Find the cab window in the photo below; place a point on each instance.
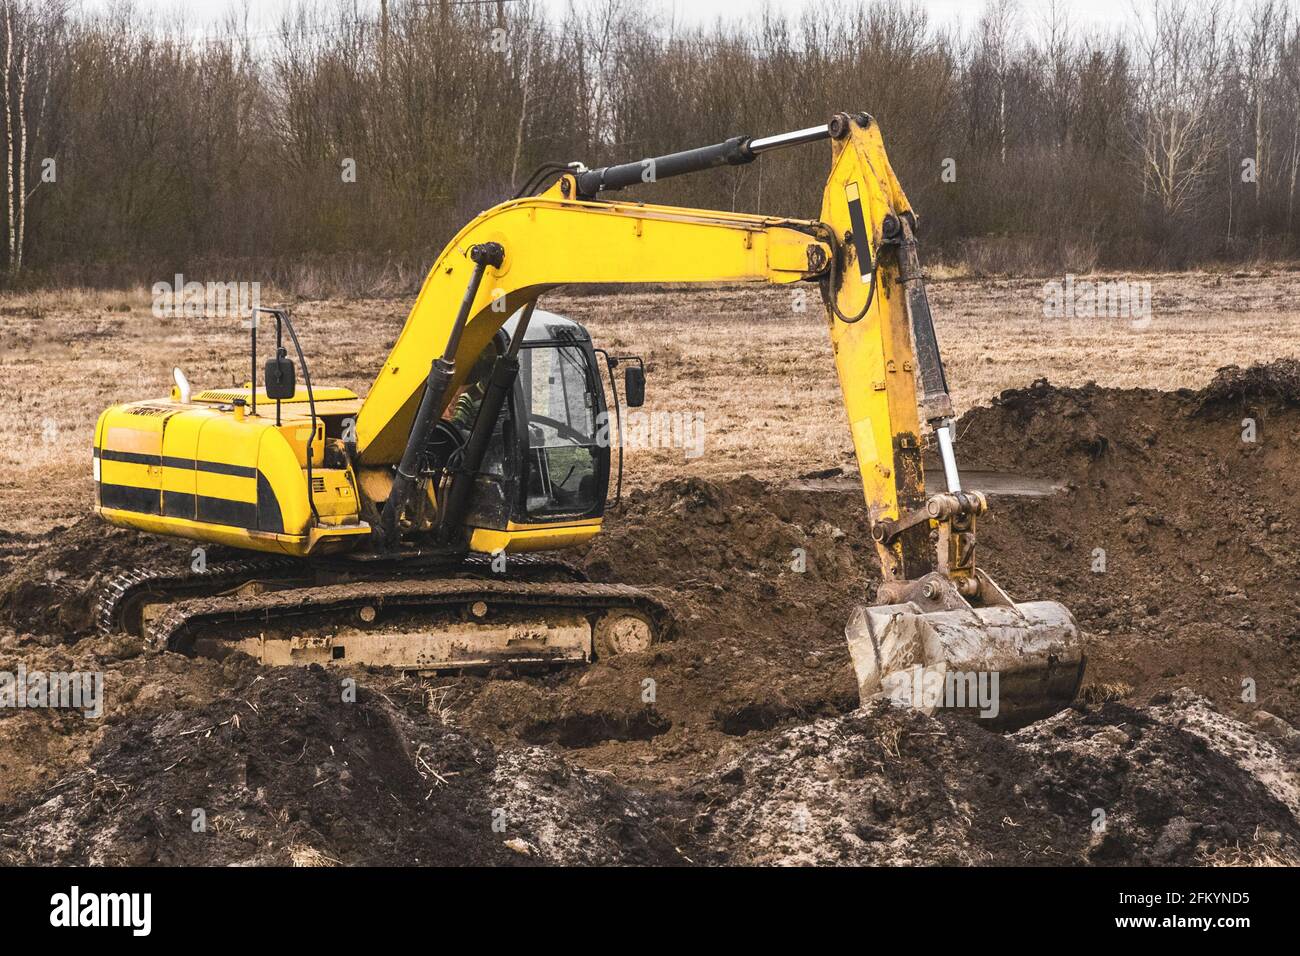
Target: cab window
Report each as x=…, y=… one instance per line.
x=561, y=421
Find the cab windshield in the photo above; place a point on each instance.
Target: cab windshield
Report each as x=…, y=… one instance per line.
x=560, y=410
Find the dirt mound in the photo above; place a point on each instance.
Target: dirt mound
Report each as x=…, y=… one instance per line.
x=1061, y=432
x=53, y=588
x=1173, y=784
x=285, y=771
x=693, y=532
x=1274, y=385
x=38, y=746
x=1173, y=546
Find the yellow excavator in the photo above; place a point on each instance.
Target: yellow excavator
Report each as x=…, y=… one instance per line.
x=418, y=528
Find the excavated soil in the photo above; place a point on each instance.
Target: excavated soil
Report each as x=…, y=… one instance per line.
x=740, y=739
x=1174, y=783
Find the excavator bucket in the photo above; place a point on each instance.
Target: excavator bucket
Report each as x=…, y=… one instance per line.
x=1007, y=663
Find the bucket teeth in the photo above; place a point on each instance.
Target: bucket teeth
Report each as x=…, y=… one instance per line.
x=1009, y=664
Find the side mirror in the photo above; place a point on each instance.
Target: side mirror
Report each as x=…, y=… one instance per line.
x=634, y=386
x=279, y=378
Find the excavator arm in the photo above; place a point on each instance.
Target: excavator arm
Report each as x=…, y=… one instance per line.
x=551, y=240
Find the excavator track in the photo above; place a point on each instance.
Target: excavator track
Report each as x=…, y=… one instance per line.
x=423, y=625
x=118, y=606
x=120, y=600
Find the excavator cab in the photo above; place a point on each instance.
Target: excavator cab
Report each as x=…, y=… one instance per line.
x=546, y=470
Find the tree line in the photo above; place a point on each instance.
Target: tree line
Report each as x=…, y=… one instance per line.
x=338, y=151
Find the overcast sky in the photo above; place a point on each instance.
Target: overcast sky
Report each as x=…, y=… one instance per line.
x=263, y=14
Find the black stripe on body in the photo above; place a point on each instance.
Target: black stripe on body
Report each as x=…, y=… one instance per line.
x=269, y=516
x=185, y=464
x=178, y=504
x=146, y=501
x=238, y=514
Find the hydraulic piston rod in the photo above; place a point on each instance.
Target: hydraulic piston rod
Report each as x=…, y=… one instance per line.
x=781, y=140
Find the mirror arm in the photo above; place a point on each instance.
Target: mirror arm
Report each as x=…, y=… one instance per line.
x=279, y=353
x=252, y=384
x=282, y=315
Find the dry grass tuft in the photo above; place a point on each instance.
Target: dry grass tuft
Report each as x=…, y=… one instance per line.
x=1263, y=850
x=1096, y=694
x=307, y=856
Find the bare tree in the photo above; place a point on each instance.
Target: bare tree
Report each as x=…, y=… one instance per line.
x=998, y=34
x=1180, y=51
x=1261, y=42
x=32, y=37
x=1289, y=85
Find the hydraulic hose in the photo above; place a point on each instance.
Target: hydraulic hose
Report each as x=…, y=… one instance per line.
x=441, y=372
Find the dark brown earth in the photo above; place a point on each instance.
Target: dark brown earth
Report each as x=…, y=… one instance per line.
x=1174, y=783
x=740, y=740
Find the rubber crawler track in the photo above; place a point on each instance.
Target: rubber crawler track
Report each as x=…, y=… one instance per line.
x=176, y=628
x=119, y=590
x=122, y=587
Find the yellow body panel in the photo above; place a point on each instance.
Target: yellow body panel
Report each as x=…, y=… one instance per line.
x=208, y=472
x=336, y=495
x=318, y=541
x=181, y=484
x=522, y=538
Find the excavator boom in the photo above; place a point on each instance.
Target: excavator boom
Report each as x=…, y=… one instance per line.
x=553, y=240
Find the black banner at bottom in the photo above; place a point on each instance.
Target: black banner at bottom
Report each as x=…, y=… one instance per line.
x=334, y=905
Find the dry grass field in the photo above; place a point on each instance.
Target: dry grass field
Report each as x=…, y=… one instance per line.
x=757, y=371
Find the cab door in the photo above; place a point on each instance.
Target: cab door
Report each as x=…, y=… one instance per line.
x=565, y=460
